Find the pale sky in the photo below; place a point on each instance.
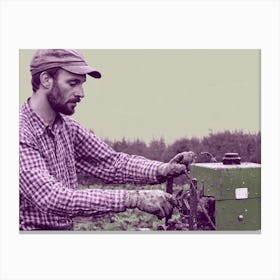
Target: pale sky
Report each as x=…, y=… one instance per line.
x=172, y=94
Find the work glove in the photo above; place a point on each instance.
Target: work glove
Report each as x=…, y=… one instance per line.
x=154, y=202
x=178, y=165
x=186, y=158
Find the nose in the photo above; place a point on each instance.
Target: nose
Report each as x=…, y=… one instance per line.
x=80, y=92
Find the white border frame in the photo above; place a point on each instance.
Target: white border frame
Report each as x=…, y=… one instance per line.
x=140, y=24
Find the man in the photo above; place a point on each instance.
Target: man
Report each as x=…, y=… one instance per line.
x=54, y=148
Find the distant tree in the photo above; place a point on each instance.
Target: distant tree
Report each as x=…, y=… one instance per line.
x=156, y=149
x=120, y=146
x=254, y=149
x=181, y=145
x=137, y=147
x=247, y=145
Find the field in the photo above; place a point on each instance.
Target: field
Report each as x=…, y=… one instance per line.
x=136, y=220
x=130, y=220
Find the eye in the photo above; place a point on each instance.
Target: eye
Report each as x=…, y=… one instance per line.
x=73, y=83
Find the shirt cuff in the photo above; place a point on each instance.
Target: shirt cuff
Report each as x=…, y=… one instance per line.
x=108, y=200
x=153, y=171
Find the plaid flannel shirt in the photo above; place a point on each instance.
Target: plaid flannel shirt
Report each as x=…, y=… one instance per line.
x=51, y=157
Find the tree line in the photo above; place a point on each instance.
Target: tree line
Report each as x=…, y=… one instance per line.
x=247, y=145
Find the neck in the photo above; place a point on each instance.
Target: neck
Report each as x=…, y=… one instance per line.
x=40, y=105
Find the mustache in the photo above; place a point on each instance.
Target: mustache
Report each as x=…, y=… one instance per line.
x=74, y=100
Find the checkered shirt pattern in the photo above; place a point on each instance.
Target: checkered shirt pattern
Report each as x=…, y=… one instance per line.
x=51, y=157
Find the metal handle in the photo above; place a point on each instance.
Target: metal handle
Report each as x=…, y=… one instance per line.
x=169, y=189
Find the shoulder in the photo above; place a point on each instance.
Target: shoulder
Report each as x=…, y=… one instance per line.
x=82, y=135
x=71, y=124
x=69, y=121
x=26, y=129
x=75, y=129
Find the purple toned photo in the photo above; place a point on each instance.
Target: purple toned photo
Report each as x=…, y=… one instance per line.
x=54, y=149
x=74, y=179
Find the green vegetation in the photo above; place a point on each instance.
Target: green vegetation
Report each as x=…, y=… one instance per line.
x=130, y=220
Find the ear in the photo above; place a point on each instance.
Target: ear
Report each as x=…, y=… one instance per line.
x=46, y=80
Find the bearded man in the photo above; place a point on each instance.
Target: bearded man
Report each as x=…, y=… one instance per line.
x=54, y=148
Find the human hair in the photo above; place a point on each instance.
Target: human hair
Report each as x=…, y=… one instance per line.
x=35, y=81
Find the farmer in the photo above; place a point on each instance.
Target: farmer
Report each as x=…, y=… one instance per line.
x=54, y=149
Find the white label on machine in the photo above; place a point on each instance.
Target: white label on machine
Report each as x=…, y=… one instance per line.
x=241, y=193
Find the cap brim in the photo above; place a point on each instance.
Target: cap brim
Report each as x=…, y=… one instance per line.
x=82, y=70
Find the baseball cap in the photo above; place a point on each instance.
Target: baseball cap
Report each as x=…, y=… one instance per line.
x=69, y=60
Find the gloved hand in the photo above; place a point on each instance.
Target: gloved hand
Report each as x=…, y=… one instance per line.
x=154, y=202
x=178, y=165
x=186, y=158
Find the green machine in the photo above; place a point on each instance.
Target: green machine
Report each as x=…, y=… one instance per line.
x=236, y=189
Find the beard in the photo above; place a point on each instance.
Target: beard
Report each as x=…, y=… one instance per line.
x=55, y=98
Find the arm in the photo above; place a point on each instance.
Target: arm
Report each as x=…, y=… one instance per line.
x=95, y=158
x=43, y=191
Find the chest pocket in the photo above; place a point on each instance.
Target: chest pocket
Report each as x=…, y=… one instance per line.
x=49, y=156
x=66, y=159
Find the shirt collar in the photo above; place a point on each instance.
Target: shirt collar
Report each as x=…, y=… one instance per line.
x=41, y=126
